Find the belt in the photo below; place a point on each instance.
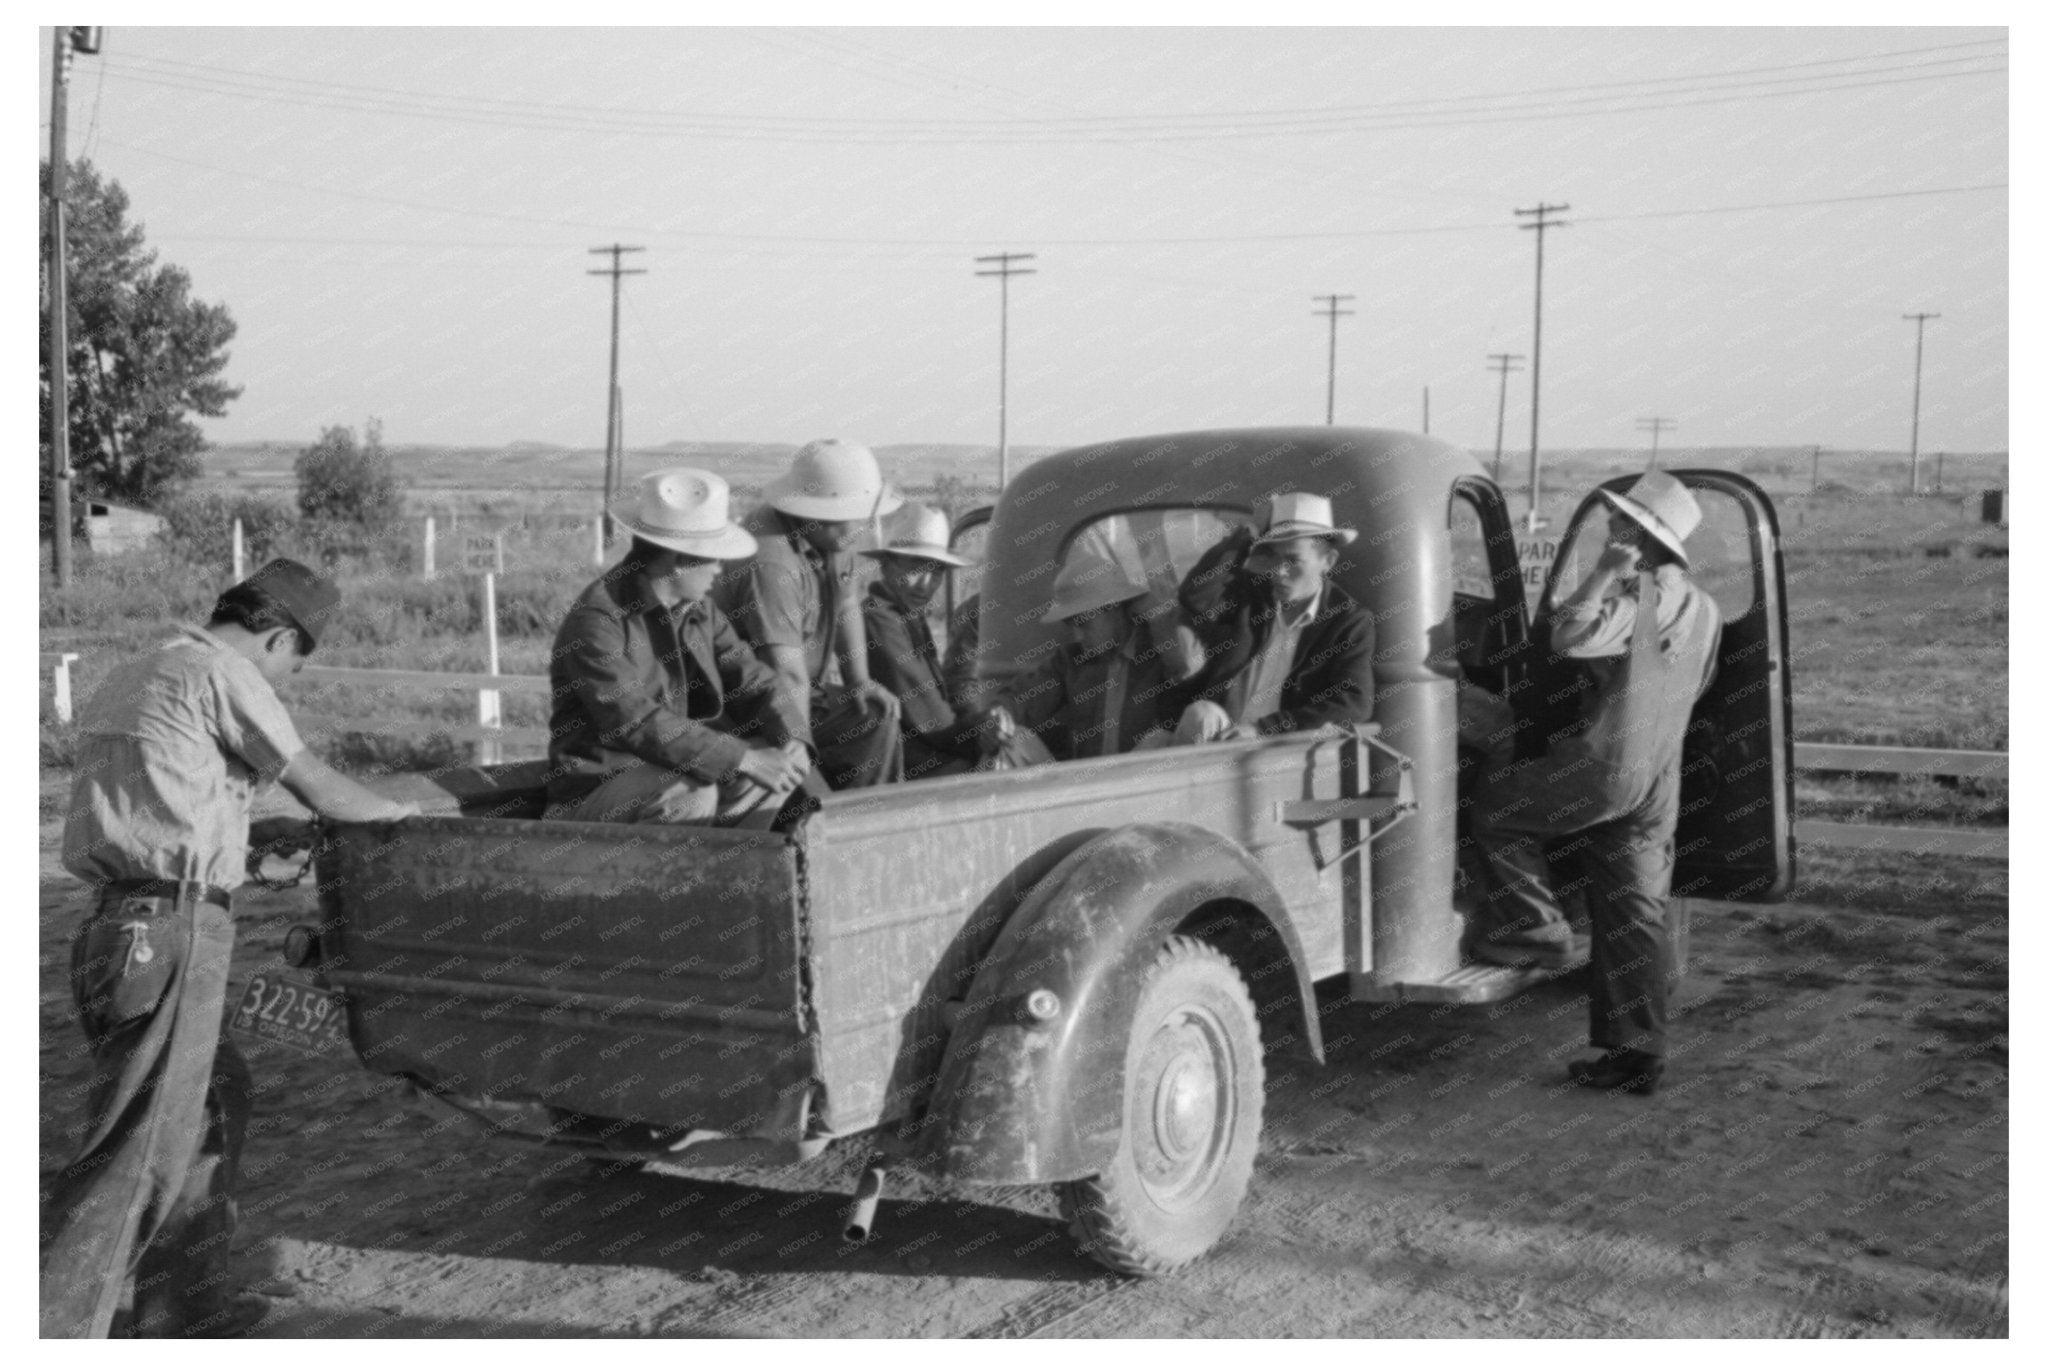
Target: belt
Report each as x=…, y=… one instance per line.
x=147, y=888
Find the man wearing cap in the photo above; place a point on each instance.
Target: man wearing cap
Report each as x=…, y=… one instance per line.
x=661, y=712
x=1106, y=688
x=794, y=604
x=1646, y=637
x=1287, y=649
x=903, y=657
x=172, y=748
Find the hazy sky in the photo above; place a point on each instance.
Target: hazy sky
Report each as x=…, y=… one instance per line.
x=399, y=220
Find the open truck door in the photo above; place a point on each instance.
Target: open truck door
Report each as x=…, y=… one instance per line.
x=1735, y=813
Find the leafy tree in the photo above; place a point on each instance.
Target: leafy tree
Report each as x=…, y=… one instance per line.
x=341, y=483
x=145, y=356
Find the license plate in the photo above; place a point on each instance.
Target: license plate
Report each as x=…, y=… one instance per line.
x=291, y=1012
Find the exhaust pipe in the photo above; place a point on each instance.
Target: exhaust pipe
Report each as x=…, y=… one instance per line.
x=860, y=1215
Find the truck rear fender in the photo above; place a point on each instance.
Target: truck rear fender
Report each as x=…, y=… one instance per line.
x=1031, y=1087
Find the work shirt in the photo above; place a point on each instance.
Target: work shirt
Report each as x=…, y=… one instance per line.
x=1255, y=693
x=903, y=657
x=1601, y=630
x=1086, y=708
x=789, y=593
x=172, y=749
x=634, y=680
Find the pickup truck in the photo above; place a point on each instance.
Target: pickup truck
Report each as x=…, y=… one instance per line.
x=1065, y=975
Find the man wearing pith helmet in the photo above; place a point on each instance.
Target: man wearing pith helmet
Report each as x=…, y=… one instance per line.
x=661, y=712
x=794, y=603
x=1648, y=638
x=172, y=749
x=914, y=559
x=1287, y=649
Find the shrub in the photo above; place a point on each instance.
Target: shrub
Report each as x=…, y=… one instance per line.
x=199, y=527
x=343, y=484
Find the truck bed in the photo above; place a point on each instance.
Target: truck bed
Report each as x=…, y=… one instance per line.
x=775, y=985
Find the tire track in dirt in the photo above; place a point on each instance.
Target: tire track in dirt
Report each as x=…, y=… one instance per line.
x=1076, y=1307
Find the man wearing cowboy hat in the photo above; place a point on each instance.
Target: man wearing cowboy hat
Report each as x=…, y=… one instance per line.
x=1287, y=649
x=1647, y=638
x=661, y=712
x=903, y=657
x=172, y=749
x=794, y=604
x=1106, y=688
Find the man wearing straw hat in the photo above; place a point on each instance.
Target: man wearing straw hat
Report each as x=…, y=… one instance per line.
x=661, y=712
x=1287, y=649
x=1649, y=638
x=903, y=657
x=795, y=604
x=172, y=748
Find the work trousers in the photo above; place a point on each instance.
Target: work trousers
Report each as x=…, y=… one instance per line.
x=151, y=1193
x=1623, y=863
x=857, y=745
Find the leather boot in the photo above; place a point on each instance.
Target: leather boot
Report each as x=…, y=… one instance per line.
x=1637, y=1073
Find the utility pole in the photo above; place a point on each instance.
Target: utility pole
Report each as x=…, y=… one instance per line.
x=1505, y=363
x=1656, y=426
x=1542, y=223
x=613, y=454
x=63, y=41
x=1332, y=311
x=1816, y=470
x=1003, y=266
x=1919, y=321
x=1425, y=409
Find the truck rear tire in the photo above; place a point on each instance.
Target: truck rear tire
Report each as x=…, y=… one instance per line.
x=1194, y=1101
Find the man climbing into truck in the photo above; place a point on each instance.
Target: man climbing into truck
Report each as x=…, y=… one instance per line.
x=1631, y=649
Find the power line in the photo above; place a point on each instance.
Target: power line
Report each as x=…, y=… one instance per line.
x=233, y=79
x=682, y=234
x=1016, y=132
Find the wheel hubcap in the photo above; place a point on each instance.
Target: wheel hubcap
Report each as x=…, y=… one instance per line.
x=1182, y=1108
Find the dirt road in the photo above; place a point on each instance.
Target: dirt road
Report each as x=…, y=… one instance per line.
x=1828, y=1159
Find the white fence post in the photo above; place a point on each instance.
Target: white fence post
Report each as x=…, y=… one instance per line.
x=60, y=684
x=488, y=714
x=597, y=542
x=240, y=573
x=427, y=552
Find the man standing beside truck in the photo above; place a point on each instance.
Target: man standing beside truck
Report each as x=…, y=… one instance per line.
x=1648, y=636
x=661, y=712
x=1286, y=648
x=794, y=604
x=172, y=749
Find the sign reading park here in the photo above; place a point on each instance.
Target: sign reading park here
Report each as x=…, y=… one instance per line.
x=482, y=554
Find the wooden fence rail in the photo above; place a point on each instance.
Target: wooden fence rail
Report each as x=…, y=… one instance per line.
x=1836, y=758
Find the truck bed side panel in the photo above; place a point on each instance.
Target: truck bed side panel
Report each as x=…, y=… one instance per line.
x=634, y=972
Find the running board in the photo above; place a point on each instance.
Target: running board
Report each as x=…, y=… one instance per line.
x=1477, y=983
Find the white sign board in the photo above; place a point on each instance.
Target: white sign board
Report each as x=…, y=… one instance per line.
x=1536, y=554
x=482, y=554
